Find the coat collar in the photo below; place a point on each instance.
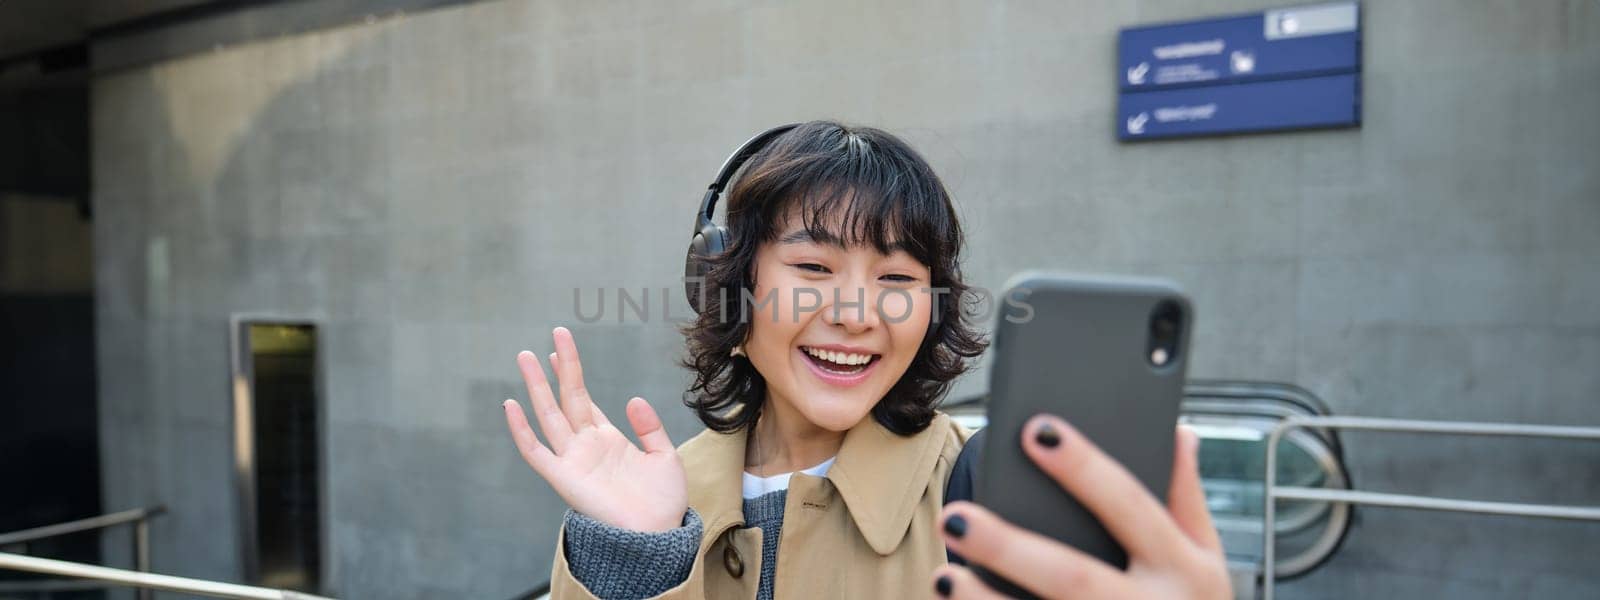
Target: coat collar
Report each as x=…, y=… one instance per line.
x=880, y=475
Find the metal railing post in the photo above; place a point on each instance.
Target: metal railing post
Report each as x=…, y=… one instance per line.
x=141, y=552
x=1269, y=536
x=138, y=519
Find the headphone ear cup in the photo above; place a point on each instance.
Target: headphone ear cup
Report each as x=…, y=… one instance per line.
x=710, y=241
x=716, y=240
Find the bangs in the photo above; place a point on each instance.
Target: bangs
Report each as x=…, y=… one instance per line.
x=848, y=189
x=856, y=217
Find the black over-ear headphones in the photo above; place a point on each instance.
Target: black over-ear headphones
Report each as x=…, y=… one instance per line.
x=709, y=238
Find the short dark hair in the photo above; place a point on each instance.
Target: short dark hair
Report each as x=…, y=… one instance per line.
x=889, y=197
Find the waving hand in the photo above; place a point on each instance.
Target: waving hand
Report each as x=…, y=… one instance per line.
x=594, y=467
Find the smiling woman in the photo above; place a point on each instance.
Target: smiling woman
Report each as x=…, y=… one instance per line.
x=831, y=328
x=823, y=470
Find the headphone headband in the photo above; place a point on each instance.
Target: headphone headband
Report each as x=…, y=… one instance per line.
x=736, y=160
x=708, y=239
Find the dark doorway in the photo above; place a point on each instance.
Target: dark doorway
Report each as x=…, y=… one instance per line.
x=282, y=471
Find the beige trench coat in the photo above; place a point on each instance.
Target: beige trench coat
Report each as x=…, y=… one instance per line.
x=869, y=529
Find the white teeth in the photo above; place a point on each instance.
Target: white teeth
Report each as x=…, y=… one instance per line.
x=842, y=358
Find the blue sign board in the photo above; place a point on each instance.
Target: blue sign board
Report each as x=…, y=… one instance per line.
x=1240, y=108
x=1280, y=69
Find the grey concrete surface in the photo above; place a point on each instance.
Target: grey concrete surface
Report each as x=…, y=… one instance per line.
x=431, y=188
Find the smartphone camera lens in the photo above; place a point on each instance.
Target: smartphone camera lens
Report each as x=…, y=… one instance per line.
x=1166, y=325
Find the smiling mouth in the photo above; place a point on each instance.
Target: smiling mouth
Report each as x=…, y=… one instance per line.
x=839, y=363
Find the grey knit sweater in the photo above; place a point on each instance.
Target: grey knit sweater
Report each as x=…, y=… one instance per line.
x=624, y=564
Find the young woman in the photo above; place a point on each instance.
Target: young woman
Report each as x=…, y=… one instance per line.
x=830, y=330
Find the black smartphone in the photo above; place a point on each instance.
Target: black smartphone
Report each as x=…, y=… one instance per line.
x=1107, y=354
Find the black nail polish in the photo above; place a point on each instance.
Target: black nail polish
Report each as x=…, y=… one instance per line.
x=1047, y=436
x=943, y=585
x=956, y=526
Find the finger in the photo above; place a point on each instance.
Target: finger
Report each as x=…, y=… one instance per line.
x=534, y=453
x=1186, y=499
x=594, y=409
x=551, y=421
x=648, y=427
x=1037, y=563
x=951, y=581
x=1122, y=504
x=569, y=377
x=599, y=416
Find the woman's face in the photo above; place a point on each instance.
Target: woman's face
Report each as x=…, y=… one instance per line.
x=833, y=327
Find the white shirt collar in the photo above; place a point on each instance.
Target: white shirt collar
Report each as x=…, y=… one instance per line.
x=755, y=486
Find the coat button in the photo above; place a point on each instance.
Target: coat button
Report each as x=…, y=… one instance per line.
x=732, y=560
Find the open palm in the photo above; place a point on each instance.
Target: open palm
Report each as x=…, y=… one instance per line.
x=590, y=463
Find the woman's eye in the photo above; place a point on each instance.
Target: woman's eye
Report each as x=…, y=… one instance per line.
x=813, y=267
x=900, y=278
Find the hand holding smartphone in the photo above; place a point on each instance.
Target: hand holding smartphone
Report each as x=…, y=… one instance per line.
x=1109, y=355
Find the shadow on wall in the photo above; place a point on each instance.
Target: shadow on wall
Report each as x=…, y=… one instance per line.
x=291, y=177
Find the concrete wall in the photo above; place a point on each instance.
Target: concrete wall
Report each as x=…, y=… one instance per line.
x=430, y=188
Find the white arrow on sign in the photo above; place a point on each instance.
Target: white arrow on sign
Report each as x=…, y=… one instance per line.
x=1136, y=74
x=1136, y=123
x=1242, y=61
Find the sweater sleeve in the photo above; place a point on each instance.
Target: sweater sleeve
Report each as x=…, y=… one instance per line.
x=621, y=563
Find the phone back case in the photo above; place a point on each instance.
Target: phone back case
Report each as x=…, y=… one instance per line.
x=1083, y=356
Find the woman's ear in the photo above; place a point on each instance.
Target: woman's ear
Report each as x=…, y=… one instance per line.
x=738, y=349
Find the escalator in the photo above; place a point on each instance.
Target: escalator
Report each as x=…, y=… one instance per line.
x=1233, y=420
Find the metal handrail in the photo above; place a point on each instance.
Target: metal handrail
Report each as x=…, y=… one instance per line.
x=1275, y=493
x=100, y=522
x=149, y=581
x=138, y=517
x=1316, y=447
